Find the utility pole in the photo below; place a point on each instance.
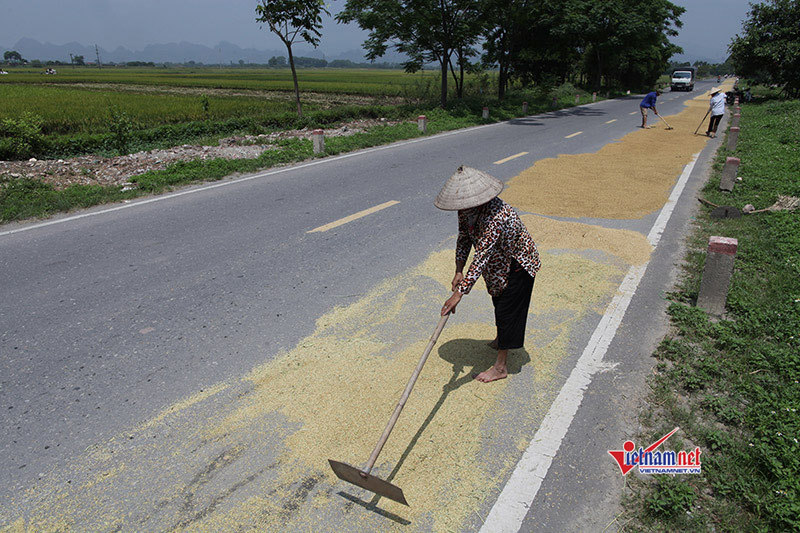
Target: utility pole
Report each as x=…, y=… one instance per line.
x=71, y=60
x=97, y=52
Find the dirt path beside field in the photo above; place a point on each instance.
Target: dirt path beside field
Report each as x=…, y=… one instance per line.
x=327, y=100
x=96, y=170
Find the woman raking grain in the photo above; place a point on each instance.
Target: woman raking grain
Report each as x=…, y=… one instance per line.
x=505, y=255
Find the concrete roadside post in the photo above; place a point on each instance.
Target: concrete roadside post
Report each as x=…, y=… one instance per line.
x=524, y=108
x=318, y=138
x=594, y=97
x=577, y=99
x=485, y=113
x=735, y=119
x=422, y=123
x=717, y=274
x=554, y=103
x=729, y=171
x=733, y=136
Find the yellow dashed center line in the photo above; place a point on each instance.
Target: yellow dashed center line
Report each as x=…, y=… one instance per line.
x=573, y=134
x=632, y=113
x=354, y=216
x=610, y=121
x=509, y=158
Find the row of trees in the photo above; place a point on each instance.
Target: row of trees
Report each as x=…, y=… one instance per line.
x=608, y=42
x=768, y=50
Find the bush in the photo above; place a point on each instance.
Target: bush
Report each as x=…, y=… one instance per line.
x=121, y=128
x=21, y=138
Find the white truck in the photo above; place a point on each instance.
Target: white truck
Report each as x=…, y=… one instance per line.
x=682, y=78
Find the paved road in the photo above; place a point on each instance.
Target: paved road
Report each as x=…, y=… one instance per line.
x=107, y=320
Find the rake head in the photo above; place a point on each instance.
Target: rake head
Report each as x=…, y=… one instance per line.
x=374, y=484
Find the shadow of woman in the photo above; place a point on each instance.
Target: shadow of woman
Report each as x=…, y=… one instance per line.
x=472, y=356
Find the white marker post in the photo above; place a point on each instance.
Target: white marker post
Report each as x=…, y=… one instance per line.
x=524, y=108
x=717, y=274
x=318, y=138
x=422, y=123
x=485, y=113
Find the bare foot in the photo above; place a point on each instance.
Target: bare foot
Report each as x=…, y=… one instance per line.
x=493, y=344
x=493, y=374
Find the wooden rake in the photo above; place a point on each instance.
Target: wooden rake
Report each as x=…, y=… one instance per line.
x=363, y=478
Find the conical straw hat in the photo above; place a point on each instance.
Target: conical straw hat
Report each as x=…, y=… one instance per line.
x=468, y=187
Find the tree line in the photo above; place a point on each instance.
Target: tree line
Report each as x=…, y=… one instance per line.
x=603, y=43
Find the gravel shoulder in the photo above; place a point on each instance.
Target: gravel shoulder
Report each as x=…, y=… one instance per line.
x=111, y=171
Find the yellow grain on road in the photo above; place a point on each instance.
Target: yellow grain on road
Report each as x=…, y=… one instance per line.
x=509, y=158
x=615, y=181
x=354, y=216
x=571, y=135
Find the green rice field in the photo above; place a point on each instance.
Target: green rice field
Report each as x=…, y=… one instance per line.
x=82, y=110
x=68, y=110
x=370, y=82
x=78, y=100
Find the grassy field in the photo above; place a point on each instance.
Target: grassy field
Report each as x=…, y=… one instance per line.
x=732, y=385
x=371, y=82
x=76, y=111
x=67, y=110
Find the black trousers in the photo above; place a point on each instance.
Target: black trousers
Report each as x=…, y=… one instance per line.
x=714, y=122
x=511, y=309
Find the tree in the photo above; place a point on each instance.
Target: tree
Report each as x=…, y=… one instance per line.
x=769, y=49
x=78, y=60
x=293, y=21
x=13, y=57
x=529, y=41
x=424, y=30
x=277, y=62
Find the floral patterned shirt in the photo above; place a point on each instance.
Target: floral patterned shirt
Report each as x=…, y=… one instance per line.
x=499, y=237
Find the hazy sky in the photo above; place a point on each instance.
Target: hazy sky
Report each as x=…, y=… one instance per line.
x=708, y=28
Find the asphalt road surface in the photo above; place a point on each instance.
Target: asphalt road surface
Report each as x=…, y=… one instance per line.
x=111, y=317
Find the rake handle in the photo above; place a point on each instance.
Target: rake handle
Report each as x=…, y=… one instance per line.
x=701, y=122
x=404, y=397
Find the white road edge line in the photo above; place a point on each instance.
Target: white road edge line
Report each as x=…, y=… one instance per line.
x=264, y=174
x=515, y=499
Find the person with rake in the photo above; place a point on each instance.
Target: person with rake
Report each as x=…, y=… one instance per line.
x=649, y=102
x=717, y=108
x=505, y=255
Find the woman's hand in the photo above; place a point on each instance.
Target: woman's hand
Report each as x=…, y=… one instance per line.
x=451, y=303
x=457, y=280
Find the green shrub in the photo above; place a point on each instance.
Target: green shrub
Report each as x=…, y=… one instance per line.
x=121, y=128
x=21, y=138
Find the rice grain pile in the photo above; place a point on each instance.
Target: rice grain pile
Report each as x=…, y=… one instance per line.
x=624, y=180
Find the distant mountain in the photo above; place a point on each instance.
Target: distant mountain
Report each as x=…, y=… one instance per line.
x=183, y=52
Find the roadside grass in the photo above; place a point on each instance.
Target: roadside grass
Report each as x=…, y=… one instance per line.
x=23, y=198
x=732, y=385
